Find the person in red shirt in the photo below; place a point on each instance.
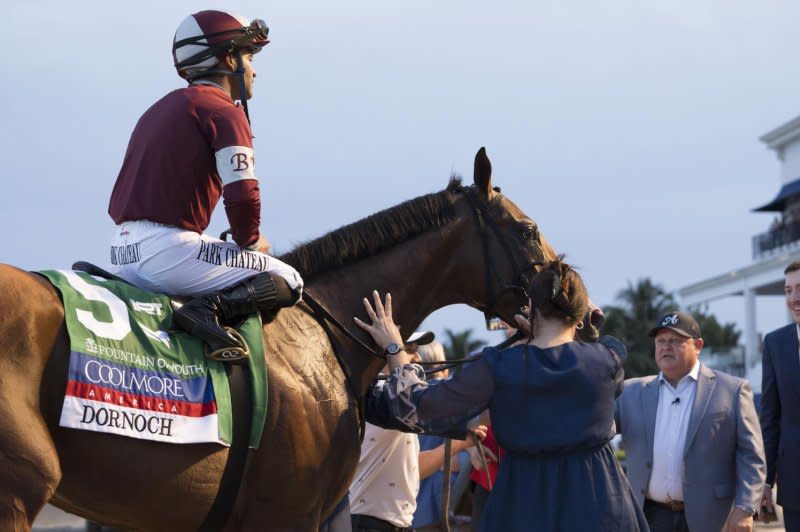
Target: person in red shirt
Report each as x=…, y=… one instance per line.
x=188, y=150
x=484, y=480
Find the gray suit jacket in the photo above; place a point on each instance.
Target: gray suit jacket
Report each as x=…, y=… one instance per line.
x=723, y=462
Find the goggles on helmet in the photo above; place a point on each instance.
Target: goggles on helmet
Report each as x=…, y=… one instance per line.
x=252, y=38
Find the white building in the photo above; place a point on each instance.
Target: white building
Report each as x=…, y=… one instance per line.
x=772, y=250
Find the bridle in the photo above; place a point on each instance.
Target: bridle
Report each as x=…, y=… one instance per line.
x=520, y=280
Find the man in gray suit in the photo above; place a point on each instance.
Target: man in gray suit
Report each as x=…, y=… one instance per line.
x=692, y=438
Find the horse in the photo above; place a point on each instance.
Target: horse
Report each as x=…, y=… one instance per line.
x=465, y=244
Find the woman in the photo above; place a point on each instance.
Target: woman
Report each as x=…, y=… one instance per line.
x=551, y=401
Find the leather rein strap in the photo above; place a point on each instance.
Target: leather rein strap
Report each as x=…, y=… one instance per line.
x=324, y=317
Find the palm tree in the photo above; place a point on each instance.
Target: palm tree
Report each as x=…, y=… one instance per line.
x=639, y=306
x=459, y=345
x=716, y=334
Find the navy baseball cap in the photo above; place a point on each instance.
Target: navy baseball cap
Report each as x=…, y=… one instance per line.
x=680, y=322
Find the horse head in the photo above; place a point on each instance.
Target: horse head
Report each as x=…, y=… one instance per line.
x=508, y=245
x=511, y=248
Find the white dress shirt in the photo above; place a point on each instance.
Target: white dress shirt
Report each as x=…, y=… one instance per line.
x=672, y=422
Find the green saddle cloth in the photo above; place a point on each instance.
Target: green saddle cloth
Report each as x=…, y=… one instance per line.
x=132, y=374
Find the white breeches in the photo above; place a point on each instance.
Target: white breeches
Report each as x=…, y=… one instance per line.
x=171, y=260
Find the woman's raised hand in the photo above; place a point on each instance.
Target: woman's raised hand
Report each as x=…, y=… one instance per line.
x=381, y=327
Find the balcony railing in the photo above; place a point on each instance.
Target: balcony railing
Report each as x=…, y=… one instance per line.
x=766, y=244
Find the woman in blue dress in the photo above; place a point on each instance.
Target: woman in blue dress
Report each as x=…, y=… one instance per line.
x=551, y=400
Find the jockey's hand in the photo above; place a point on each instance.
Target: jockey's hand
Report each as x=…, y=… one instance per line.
x=261, y=245
x=382, y=328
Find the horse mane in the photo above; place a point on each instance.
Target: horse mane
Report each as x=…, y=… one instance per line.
x=375, y=233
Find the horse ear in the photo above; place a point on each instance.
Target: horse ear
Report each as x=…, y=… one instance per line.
x=483, y=173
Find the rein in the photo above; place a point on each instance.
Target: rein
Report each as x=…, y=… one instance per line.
x=441, y=366
x=323, y=317
x=318, y=308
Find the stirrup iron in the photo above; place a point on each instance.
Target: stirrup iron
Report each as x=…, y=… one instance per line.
x=226, y=353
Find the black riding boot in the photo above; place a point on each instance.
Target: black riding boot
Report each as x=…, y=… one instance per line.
x=201, y=316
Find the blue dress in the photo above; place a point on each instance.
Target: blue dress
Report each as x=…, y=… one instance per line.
x=553, y=411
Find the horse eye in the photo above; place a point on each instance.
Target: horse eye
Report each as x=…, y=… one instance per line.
x=530, y=233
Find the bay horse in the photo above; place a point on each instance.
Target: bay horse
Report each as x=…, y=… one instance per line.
x=465, y=244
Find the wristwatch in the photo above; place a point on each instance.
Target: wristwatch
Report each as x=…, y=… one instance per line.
x=392, y=349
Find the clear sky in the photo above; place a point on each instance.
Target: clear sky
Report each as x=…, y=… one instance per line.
x=627, y=129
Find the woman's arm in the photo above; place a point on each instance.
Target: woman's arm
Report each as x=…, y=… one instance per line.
x=407, y=397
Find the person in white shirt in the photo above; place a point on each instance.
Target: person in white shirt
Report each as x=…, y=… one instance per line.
x=694, y=453
x=383, y=493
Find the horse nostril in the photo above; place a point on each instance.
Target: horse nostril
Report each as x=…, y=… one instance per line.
x=597, y=318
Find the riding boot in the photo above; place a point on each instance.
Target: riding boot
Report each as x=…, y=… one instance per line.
x=201, y=316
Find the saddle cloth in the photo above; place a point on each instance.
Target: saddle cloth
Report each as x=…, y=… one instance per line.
x=131, y=374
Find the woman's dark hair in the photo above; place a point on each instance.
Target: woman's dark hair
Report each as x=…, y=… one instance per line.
x=557, y=291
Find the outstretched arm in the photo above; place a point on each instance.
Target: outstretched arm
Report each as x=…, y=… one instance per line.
x=407, y=397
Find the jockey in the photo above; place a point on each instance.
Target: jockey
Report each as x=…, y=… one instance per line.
x=191, y=147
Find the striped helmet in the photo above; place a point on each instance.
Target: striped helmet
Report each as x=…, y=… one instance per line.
x=204, y=37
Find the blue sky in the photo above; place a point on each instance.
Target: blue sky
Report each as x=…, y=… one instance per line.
x=627, y=129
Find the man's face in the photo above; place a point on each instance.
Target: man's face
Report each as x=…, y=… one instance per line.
x=249, y=76
x=676, y=354
x=792, y=291
x=249, y=73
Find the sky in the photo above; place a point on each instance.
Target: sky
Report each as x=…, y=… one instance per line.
x=627, y=129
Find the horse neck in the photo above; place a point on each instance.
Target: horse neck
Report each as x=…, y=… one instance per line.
x=421, y=276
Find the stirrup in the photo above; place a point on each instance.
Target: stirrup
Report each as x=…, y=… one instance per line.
x=232, y=354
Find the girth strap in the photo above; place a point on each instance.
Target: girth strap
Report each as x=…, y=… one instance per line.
x=242, y=420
